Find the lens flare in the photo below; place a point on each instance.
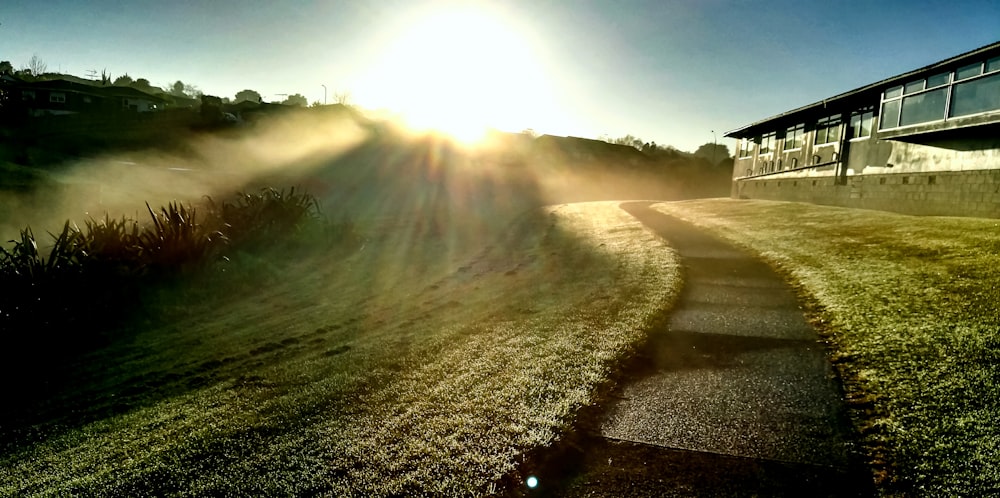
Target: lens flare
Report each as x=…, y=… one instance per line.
x=461, y=71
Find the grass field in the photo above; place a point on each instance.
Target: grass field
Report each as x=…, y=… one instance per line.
x=912, y=308
x=412, y=366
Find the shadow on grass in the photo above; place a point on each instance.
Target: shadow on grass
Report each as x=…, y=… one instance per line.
x=423, y=204
x=420, y=203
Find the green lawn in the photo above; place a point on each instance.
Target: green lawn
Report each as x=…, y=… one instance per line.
x=911, y=306
x=413, y=366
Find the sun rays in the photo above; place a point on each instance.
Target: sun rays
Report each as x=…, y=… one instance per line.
x=461, y=71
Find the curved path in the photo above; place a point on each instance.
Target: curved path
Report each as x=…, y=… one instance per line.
x=735, y=396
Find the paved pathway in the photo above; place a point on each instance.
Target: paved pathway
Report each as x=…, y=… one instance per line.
x=735, y=396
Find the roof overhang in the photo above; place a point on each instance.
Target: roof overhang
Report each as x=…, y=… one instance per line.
x=847, y=99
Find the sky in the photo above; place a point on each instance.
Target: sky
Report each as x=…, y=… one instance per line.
x=677, y=72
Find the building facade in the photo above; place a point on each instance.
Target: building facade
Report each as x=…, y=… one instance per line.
x=924, y=142
x=59, y=97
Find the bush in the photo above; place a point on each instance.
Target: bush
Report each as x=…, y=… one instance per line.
x=92, y=276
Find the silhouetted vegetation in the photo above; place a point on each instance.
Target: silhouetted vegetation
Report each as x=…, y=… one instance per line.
x=69, y=293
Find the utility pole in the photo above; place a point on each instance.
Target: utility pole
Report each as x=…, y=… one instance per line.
x=715, y=146
x=324, y=93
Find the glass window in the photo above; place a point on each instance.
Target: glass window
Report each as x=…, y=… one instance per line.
x=57, y=97
x=993, y=64
x=895, y=91
x=746, y=147
x=766, y=142
x=827, y=130
x=969, y=71
x=793, y=136
x=861, y=123
x=924, y=107
x=976, y=96
x=889, y=117
x=913, y=87
x=938, y=80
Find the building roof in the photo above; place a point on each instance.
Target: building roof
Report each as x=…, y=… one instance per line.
x=864, y=92
x=128, y=92
x=62, y=86
x=100, y=91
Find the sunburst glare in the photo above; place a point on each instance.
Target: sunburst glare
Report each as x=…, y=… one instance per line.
x=461, y=71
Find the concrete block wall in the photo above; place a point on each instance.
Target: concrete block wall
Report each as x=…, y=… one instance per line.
x=954, y=193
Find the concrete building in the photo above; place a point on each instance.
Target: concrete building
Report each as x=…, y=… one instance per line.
x=924, y=142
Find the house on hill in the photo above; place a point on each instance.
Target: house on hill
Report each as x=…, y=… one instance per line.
x=56, y=97
x=923, y=142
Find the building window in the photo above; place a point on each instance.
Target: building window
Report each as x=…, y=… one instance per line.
x=993, y=64
x=964, y=73
x=793, y=136
x=861, y=122
x=745, y=147
x=889, y=116
x=913, y=87
x=828, y=130
x=923, y=107
x=57, y=97
x=766, y=142
x=976, y=96
x=919, y=101
x=938, y=80
x=28, y=95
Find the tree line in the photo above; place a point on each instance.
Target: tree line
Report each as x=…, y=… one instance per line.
x=37, y=70
x=714, y=153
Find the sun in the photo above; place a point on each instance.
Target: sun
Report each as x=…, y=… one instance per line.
x=462, y=72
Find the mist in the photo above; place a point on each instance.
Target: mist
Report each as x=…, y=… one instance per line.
x=203, y=164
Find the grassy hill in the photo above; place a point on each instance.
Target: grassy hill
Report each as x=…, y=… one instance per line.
x=464, y=333
x=409, y=367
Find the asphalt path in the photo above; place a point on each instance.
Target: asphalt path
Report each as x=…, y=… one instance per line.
x=733, y=395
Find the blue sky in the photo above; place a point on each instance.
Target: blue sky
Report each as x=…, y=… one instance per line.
x=667, y=71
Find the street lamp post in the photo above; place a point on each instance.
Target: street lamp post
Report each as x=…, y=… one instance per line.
x=715, y=146
x=324, y=93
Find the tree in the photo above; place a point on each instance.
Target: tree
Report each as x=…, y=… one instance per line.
x=714, y=153
x=296, y=99
x=629, y=140
x=185, y=90
x=36, y=65
x=177, y=89
x=192, y=91
x=250, y=95
x=123, y=80
x=342, y=97
x=6, y=67
x=144, y=85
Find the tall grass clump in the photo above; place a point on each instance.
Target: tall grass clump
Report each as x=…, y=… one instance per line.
x=69, y=293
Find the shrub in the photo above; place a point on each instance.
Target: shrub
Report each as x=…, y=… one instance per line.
x=93, y=274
